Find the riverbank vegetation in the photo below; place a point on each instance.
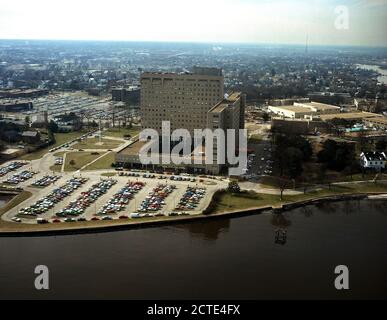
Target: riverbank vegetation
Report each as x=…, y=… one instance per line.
x=224, y=201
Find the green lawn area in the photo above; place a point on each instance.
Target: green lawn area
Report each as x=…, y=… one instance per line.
x=225, y=201
x=108, y=174
x=120, y=133
x=272, y=182
x=60, y=138
x=103, y=163
x=59, y=154
x=93, y=143
x=80, y=159
x=57, y=167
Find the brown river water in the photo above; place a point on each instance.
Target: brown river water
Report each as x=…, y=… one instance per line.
x=218, y=259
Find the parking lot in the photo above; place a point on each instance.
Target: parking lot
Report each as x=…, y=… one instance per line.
x=61, y=202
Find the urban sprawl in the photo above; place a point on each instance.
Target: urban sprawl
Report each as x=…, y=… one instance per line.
x=71, y=114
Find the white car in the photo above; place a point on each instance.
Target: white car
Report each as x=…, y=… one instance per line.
x=16, y=219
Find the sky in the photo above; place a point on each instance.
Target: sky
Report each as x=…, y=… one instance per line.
x=361, y=22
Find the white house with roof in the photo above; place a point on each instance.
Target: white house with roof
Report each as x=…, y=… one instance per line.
x=373, y=160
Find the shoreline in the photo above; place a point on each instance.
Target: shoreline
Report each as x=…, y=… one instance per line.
x=153, y=223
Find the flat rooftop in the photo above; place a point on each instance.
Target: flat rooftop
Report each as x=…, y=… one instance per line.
x=379, y=119
x=133, y=149
x=293, y=108
x=219, y=107
x=226, y=102
x=234, y=96
x=318, y=105
x=350, y=115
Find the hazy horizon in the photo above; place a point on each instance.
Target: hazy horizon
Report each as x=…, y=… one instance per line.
x=280, y=22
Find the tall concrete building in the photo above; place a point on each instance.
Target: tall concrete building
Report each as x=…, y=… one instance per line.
x=188, y=101
x=184, y=99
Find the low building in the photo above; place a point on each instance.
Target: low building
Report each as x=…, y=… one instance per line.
x=31, y=137
x=299, y=126
x=15, y=106
x=291, y=111
x=128, y=95
x=377, y=122
x=129, y=157
x=11, y=136
x=358, y=116
x=331, y=97
x=373, y=160
x=287, y=102
x=23, y=93
x=299, y=110
x=319, y=108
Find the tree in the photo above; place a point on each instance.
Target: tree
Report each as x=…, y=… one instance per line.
x=265, y=117
x=72, y=163
x=381, y=145
x=281, y=184
x=234, y=187
x=305, y=180
x=51, y=137
x=363, y=143
x=53, y=127
x=336, y=155
x=293, y=163
x=27, y=121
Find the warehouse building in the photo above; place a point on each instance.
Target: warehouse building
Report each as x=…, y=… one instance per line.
x=299, y=110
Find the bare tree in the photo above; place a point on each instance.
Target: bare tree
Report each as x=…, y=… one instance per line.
x=281, y=184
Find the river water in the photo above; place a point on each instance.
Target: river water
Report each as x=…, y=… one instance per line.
x=227, y=258
x=382, y=78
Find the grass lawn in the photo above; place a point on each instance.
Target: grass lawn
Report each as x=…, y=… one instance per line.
x=60, y=138
x=80, y=160
x=225, y=201
x=272, y=182
x=19, y=198
x=56, y=168
x=109, y=174
x=103, y=163
x=59, y=154
x=93, y=143
x=120, y=133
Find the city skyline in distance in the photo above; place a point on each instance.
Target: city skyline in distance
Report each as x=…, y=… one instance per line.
x=215, y=21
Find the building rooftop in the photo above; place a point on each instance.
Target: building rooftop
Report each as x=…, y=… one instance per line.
x=234, y=96
x=226, y=102
x=293, y=108
x=317, y=105
x=197, y=71
x=134, y=150
x=349, y=115
x=30, y=133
